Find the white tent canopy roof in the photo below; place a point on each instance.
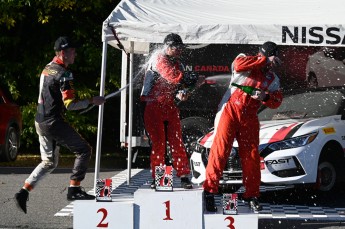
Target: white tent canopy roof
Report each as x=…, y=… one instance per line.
x=225, y=21
x=138, y=23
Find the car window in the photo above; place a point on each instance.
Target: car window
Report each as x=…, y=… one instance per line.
x=5, y=92
x=339, y=54
x=305, y=105
x=1, y=97
x=335, y=53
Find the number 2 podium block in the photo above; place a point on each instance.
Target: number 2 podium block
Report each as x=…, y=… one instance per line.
x=92, y=214
x=178, y=209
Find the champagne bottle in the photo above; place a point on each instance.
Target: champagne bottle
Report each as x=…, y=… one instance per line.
x=247, y=89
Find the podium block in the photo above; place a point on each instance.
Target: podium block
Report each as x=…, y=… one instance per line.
x=92, y=214
x=178, y=209
x=245, y=219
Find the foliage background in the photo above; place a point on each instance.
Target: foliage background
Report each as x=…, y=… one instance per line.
x=28, y=31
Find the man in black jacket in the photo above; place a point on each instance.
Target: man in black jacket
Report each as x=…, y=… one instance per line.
x=56, y=94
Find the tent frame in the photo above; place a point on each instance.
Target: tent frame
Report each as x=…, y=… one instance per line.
x=123, y=105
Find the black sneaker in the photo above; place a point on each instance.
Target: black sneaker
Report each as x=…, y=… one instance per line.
x=254, y=204
x=21, y=198
x=153, y=184
x=209, y=202
x=77, y=193
x=186, y=183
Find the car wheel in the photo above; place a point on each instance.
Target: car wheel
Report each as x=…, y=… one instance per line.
x=312, y=80
x=10, y=148
x=326, y=176
x=192, y=129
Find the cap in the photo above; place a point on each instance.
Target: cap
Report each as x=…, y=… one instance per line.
x=174, y=40
x=268, y=49
x=63, y=43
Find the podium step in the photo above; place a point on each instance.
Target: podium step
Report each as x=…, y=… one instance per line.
x=152, y=209
x=177, y=209
x=92, y=214
x=149, y=207
x=185, y=209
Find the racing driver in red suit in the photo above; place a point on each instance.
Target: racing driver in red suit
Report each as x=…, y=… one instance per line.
x=163, y=77
x=238, y=119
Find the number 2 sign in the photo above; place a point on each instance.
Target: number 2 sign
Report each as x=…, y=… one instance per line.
x=92, y=214
x=105, y=214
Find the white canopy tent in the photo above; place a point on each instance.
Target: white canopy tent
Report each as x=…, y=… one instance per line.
x=138, y=23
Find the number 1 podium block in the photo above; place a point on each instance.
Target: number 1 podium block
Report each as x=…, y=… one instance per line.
x=92, y=214
x=178, y=209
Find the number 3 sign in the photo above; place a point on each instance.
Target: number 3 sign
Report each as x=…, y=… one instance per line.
x=240, y=221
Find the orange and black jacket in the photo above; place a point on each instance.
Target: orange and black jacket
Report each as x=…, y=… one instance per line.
x=56, y=93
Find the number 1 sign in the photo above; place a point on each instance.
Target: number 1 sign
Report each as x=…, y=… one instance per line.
x=177, y=209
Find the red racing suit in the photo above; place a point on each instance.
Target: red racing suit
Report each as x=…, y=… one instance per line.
x=238, y=119
x=160, y=107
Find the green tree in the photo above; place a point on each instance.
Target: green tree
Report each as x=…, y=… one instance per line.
x=28, y=32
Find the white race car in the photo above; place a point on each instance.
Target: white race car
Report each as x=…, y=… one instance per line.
x=301, y=142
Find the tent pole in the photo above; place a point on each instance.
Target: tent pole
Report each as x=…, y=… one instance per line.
x=100, y=113
x=123, y=105
x=130, y=114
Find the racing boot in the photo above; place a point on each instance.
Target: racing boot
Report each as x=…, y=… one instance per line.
x=21, y=198
x=186, y=183
x=210, y=204
x=153, y=184
x=77, y=193
x=254, y=204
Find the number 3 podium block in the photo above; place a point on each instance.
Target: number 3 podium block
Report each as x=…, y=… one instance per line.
x=245, y=219
x=92, y=214
x=178, y=209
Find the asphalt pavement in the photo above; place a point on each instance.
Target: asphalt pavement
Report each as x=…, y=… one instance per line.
x=45, y=200
x=49, y=197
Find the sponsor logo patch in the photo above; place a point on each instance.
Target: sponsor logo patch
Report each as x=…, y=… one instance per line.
x=51, y=72
x=328, y=130
x=278, y=161
x=196, y=163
